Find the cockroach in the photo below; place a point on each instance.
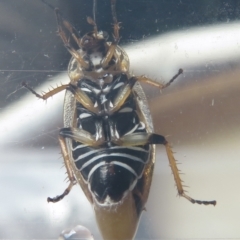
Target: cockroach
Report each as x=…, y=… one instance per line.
x=108, y=142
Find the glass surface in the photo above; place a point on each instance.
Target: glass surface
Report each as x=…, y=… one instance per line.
x=199, y=114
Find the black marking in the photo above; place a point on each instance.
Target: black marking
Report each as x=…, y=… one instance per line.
x=110, y=170
x=157, y=139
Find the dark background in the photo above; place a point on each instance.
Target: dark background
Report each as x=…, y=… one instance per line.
x=32, y=52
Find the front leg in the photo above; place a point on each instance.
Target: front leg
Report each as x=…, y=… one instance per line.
x=48, y=94
x=157, y=84
x=62, y=25
x=83, y=98
x=127, y=89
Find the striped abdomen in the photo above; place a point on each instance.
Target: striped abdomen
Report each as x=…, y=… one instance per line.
x=110, y=170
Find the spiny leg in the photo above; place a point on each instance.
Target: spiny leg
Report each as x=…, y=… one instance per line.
x=157, y=84
x=146, y=138
x=105, y=61
x=78, y=135
x=77, y=92
x=71, y=177
x=50, y=93
x=63, y=23
x=178, y=180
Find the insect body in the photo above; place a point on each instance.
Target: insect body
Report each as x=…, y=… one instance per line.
x=107, y=142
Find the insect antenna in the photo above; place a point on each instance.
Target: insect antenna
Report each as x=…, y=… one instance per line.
x=94, y=10
x=116, y=26
x=48, y=4
x=114, y=14
x=93, y=21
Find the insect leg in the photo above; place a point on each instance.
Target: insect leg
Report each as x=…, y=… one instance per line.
x=81, y=136
x=62, y=22
x=78, y=135
x=157, y=84
x=105, y=61
x=141, y=138
x=65, y=24
x=50, y=93
x=146, y=138
x=123, y=94
x=178, y=180
x=71, y=177
x=82, y=98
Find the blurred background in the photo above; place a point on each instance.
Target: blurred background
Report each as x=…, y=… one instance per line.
x=199, y=114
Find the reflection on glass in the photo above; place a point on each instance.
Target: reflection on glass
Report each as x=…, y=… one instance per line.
x=78, y=232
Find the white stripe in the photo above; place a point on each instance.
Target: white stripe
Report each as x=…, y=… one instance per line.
x=86, y=154
x=95, y=90
x=118, y=85
x=133, y=184
x=128, y=156
x=106, y=89
x=141, y=126
x=110, y=155
x=78, y=146
x=94, y=169
x=84, y=115
x=131, y=148
x=86, y=89
x=131, y=131
x=117, y=134
x=126, y=109
x=124, y=165
x=92, y=160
